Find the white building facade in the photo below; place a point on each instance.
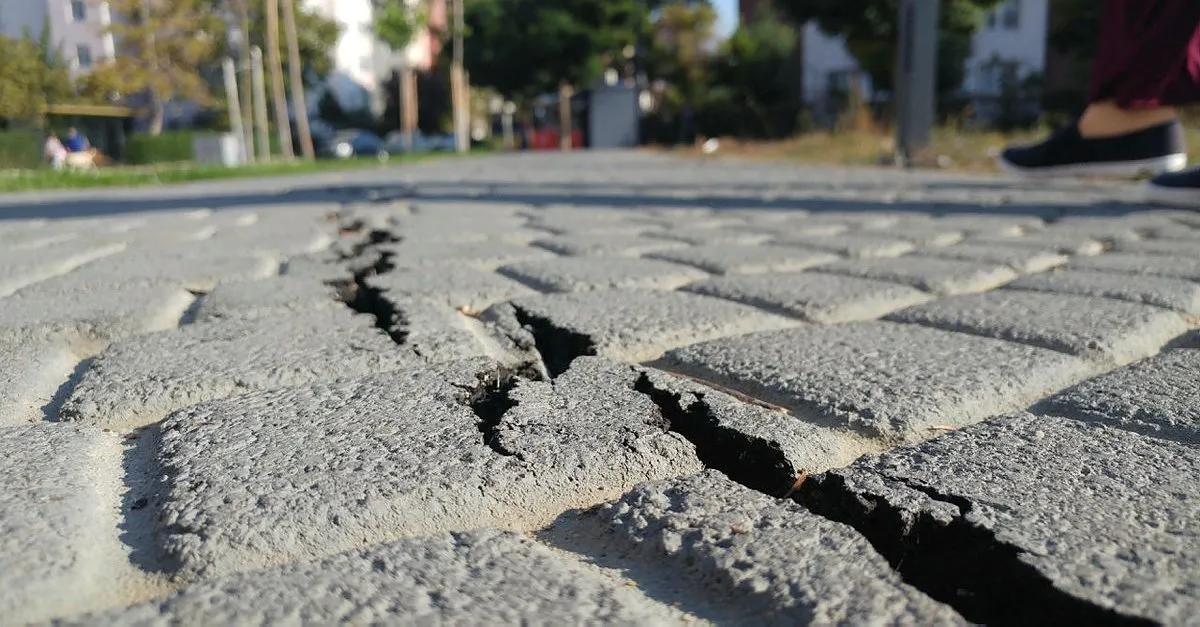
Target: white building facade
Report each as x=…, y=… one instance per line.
x=1012, y=39
x=356, y=78
x=77, y=27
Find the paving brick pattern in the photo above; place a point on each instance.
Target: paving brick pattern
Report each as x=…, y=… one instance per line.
x=607, y=388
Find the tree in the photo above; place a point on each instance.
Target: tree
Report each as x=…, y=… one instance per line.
x=523, y=48
x=870, y=30
x=20, y=66
x=275, y=69
x=165, y=48
x=316, y=35
x=299, y=106
x=397, y=22
x=753, y=72
x=683, y=35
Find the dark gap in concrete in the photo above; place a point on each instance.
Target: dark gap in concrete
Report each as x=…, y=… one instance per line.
x=143, y=479
x=189, y=314
x=753, y=462
x=50, y=411
x=491, y=399
x=365, y=299
x=960, y=564
x=557, y=346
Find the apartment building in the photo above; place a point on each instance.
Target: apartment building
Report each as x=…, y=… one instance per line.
x=361, y=63
x=76, y=26
x=1012, y=39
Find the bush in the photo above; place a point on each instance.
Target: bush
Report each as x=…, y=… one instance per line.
x=171, y=147
x=20, y=149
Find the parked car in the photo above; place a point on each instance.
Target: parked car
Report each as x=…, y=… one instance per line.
x=420, y=143
x=352, y=143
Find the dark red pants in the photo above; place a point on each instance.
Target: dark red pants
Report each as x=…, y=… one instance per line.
x=1148, y=53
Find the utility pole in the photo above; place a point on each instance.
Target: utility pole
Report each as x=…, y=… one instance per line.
x=458, y=87
x=916, y=77
x=299, y=106
x=261, y=123
x=281, y=113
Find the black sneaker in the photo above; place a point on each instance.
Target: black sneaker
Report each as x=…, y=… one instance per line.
x=1154, y=150
x=1178, y=189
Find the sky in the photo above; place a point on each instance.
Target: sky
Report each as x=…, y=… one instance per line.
x=727, y=9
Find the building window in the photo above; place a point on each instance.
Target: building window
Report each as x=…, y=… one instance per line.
x=79, y=10
x=83, y=54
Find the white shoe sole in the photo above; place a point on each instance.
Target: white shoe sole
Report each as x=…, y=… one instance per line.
x=1171, y=196
x=1157, y=165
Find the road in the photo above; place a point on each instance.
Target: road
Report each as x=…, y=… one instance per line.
x=607, y=387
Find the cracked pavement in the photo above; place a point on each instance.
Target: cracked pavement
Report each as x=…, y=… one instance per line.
x=605, y=387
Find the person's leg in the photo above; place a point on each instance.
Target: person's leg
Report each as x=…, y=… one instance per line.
x=1147, y=62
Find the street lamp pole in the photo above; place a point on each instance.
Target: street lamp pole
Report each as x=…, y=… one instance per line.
x=916, y=77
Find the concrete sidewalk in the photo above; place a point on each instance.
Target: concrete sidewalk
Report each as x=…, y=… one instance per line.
x=606, y=387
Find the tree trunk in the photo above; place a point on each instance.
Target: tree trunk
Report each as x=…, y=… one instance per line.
x=276, y=69
x=247, y=85
x=299, y=106
x=158, y=115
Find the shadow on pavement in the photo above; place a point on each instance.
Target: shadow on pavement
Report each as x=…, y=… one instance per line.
x=724, y=197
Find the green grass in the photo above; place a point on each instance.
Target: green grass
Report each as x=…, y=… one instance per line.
x=143, y=176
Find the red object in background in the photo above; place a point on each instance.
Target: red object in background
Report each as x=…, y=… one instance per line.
x=547, y=139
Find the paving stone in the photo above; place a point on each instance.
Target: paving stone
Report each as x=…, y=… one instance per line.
x=1159, y=397
x=455, y=286
x=51, y=522
x=1178, y=294
x=1129, y=263
x=812, y=296
x=1057, y=241
x=582, y=274
x=20, y=268
x=712, y=237
x=1023, y=260
x=194, y=267
x=1034, y=520
x=859, y=244
x=922, y=233
x=752, y=442
x=1096, y=328
x=324, y=266
x=277, y=236
x=584, y=223
x=746, y=259
x=748, y=558
x=605, y=244
x=31, y=370
x=74, y=305
x=1114, y=229
x=429, y=231
x=939, y=276
x=474, y=210
x=484, y=255
x=985, y=224
x=628, y=325
x=278, y=296
x=437, y=332
x=881, y=379
x=137, y=381
x=1171, y=247
x=251, y=481
x=430, y=580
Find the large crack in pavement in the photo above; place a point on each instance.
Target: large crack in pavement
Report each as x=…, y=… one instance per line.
x=557, y=346
x=750, y=461
x=491, y=399
x=958, y=563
